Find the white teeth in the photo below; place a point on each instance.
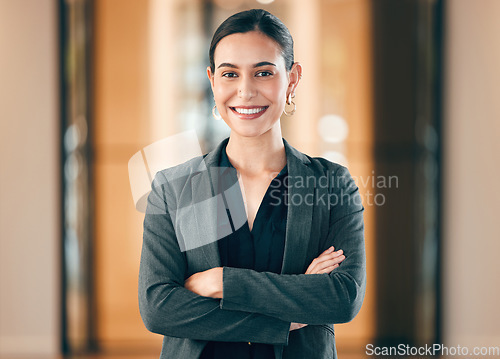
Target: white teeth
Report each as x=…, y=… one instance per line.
x=249, y=111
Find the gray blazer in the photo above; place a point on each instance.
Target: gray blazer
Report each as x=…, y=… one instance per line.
x=181, y=225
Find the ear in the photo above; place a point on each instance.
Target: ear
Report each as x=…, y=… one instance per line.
x=294, y=77
x=210, y=77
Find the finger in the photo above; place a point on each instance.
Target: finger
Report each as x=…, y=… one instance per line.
x=323, y=257
x=326, y=257
x=331, y=262
x=328, y=269
x=330, y=254
x=329, y=250
x=328, y=263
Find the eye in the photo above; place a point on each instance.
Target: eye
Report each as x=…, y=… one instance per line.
x=264, y=74
x=229, y=74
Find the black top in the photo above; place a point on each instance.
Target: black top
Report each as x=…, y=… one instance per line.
x=260, y=249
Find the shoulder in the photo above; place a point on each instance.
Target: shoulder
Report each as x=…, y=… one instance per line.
x=324, y=171
x=195, y=165
x=190, y=166
x=318, y=165
x=322, y=165
x=337, y=174
x=341, y=188
x=180, y=174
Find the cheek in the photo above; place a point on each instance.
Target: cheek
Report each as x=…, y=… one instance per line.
x=275, y=92
x=222, y=93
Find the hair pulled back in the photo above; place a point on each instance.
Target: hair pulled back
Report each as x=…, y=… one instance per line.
x=255, y=20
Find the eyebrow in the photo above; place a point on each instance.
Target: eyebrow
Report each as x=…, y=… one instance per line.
x=259, y=64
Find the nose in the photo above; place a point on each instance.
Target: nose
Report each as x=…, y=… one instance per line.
x=246, y=88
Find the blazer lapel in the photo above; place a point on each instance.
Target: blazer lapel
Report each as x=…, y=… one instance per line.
x=300, y=210
x=208, y=217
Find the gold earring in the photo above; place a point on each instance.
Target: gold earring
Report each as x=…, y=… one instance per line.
x=216, y=116
x=289, y=101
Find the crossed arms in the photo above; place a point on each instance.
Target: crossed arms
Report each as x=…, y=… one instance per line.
x=243, y=314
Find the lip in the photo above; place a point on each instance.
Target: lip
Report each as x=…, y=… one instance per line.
x=251, y=116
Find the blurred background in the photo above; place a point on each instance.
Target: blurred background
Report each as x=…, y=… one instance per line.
x=403, y=92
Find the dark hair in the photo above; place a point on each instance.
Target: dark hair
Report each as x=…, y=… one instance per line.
x=255, y=20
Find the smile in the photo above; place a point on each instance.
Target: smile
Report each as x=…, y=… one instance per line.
x=249, y=111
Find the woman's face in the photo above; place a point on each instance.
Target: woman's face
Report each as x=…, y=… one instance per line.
x=250, y=82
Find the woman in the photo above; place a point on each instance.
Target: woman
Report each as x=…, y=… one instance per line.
x=239, y=256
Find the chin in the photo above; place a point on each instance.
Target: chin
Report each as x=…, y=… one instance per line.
x=248, y=132
x=250, y=129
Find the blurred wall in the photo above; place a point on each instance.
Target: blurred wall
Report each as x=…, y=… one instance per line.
x=471, y=154
x=29, y=178
x=121, y=128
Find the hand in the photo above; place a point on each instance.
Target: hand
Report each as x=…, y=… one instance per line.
x=207, y=283
x=295, y=326
x=326, y=261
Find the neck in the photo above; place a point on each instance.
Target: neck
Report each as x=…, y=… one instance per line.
x=257, y=155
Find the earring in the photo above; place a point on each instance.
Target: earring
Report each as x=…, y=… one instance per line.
x=216, y=116
x=289, y=101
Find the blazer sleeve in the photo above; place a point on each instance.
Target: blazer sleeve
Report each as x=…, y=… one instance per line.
x=168, y=308
x=311, y=298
